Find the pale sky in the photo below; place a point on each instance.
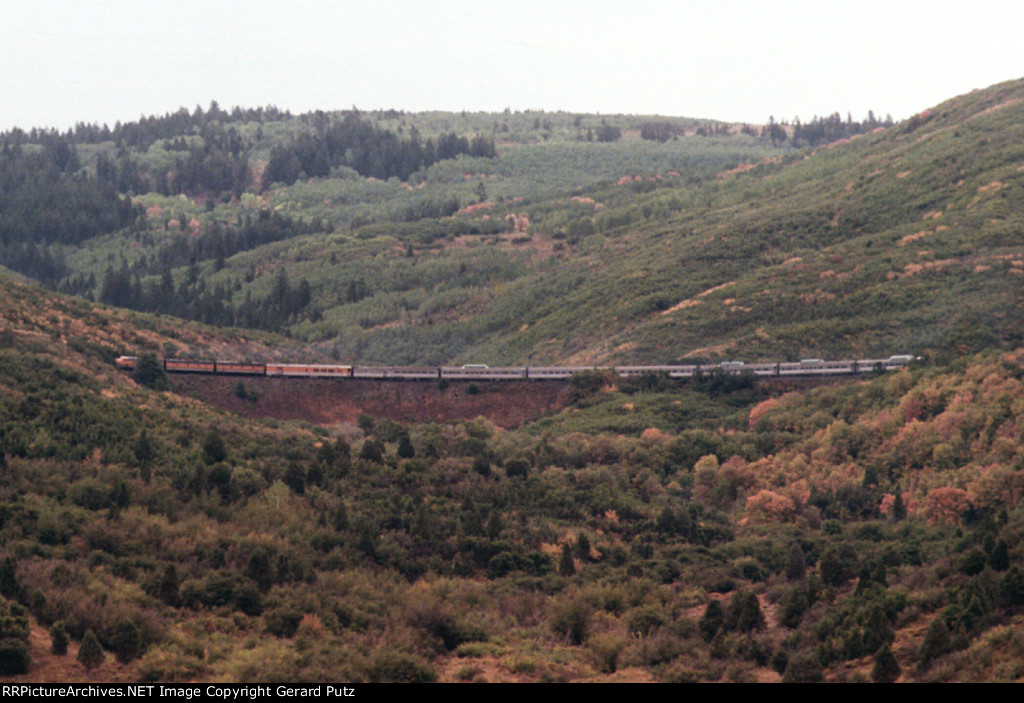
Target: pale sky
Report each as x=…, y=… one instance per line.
x=107, y=60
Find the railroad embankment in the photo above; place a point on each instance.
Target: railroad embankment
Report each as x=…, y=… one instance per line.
x=330, y=401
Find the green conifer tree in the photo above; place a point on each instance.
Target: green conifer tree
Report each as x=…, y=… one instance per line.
x=936, y=643
x=149, y=372
x=886, y=668
x=59, y=638
x=90, y=652
x=566, y=565
x=126, y=642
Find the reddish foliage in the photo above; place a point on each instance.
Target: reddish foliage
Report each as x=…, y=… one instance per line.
x=770, y=506
x=946, y=505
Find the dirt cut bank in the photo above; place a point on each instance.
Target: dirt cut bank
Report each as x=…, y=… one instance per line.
x=328, y=401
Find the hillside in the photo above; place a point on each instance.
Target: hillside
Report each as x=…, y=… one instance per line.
x=556, y=249
x=718, y=529
x=697, y=532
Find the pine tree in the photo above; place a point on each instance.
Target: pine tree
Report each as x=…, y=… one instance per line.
x=168, y=586
x=213, y=447
x=90, y=652
x=582, y=546
x=711, y=621
x=935, y=644
x=804, y=667
x=566, y=565
x=10, y=586
x=796, y=567
x=794, y=605
x=149, y=372
x=143, y=449
x=126, y=642
x=886, y=668
x=899, y=508
x=405, y=448
x=749, y=616
x=999, y=559
x=1011, y=588
x=59, y=638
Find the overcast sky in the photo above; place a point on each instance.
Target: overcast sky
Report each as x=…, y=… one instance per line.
x=109, y=60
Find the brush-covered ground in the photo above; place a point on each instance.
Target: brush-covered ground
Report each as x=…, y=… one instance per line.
x=717, y=530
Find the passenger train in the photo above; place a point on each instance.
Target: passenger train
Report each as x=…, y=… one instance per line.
x=482, y=372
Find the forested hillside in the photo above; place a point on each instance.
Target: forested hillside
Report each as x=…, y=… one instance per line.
x=720, y=529
x=538, y=237
x=717, y=529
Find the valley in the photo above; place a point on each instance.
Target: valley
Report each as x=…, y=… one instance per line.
x=724, y=527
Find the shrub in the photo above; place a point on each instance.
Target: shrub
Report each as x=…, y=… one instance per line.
x=572, y=621
x=398, y=667
x=606, y=649
x=645, y=620
x=222, y=588
x=282, y=621
x=517, y=468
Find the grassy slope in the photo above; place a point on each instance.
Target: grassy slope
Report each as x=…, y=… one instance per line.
x=905, y=240
x=887, y=243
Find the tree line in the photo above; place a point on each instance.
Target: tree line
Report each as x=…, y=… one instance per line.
x=821, y=130
x=46, y=198
x=369, y=150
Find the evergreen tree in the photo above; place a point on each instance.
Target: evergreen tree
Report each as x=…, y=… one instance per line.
x=295, y=478
x=126, y=642
x=342, y=457
x=899, y=508
x=936, y=643
x=260, y=568
x=213, y=447
x=167, y=590
x=582, y=546
x=340, y=517
x=886, y=668
x=14, y=657
x=711, y=622
x=143, y=449
x=373, y=451
x=566, y=565
x=804, y=667
x=90, y=652
x=14, y=633
x=10, y=586
x=748, y=614
x=59, y=638
x=405, y=448
x=877, y=631
x=149, y=372
x=482, y=466
x=1011, y=588
x=999, y=558
x=796, y=566
x=794, y=605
